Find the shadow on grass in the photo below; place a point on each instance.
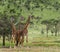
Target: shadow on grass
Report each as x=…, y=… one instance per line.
x=46, y=44
x=57, y=41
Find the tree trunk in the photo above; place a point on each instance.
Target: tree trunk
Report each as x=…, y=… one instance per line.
x=47, y=32
x=55, y=31
x=3, y=39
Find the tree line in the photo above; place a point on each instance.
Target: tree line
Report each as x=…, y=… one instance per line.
x=53, y=25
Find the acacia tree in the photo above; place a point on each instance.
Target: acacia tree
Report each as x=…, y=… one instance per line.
x=53, y=25
x=4, y=27
x=47, y=23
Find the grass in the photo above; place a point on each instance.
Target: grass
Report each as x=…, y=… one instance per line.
x=37, y=39
x=37, y=42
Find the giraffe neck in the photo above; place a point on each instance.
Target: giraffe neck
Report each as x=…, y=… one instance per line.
x=13, y=27
x=27, y=23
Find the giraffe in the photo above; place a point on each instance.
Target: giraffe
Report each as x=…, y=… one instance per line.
x=21, y=26
x=26, y=28
x=13, y=32
x=20, y=33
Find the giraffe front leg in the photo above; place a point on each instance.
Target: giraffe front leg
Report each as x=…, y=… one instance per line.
x=22, y=41
x=19, y=44
x=27, y=38
x=10, y=43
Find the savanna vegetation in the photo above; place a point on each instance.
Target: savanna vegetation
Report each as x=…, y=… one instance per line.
x=44, y=29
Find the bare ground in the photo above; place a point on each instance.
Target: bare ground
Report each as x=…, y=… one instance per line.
x=31, y=49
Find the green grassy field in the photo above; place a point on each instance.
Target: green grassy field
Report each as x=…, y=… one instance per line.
x=38, y=39
x=37, y=42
